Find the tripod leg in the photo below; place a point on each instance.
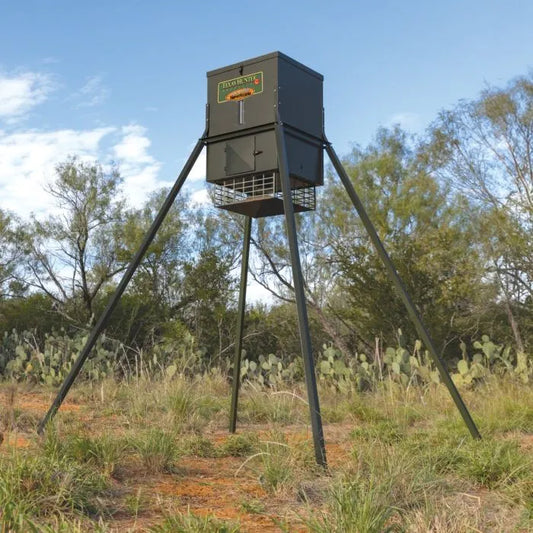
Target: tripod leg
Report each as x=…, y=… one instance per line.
x=402, y=291
x=303, y=322
x=240, y=325
x=102, y=321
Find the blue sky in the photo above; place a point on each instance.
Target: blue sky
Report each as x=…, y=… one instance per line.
x=125, y=80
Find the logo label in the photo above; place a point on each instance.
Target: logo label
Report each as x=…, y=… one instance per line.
x=240, y=88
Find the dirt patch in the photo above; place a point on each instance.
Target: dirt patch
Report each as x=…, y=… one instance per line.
x=43, y=404
x=13, y=440
x=218, y=486
x=210, y=486
x=526, y=441
x=33, y=402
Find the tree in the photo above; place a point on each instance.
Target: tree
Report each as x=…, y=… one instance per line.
x=72, y=255
x=10, y=256
x=485, y=148
x=429, y=232
x=149, y=307
x=273, y=270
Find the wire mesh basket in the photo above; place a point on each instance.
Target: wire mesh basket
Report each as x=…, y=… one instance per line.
x=260, y=195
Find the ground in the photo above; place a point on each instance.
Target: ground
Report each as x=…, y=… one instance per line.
x=250, y=489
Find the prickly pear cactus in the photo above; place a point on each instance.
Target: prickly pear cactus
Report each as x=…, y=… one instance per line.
x=24, y=360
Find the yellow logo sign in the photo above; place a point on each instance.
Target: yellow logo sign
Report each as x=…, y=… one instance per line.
x=239, y=88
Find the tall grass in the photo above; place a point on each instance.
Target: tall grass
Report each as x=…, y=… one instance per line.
x=41, y=487
x=408, y=462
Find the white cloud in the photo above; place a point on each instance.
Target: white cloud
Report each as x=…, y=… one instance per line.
x=198, y=171
x=134, y=144
x=201, y=197
x=92, y=93
x=256, y=293
x=21, y=92
x=408, y=121
x=138, y=168
x=28, y=160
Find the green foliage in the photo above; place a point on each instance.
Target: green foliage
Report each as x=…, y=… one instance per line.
x=493, y=464
x=73, y=255
x=336, y=371
x=22, y=359
x=342, y=375
x=384, y=431
x=428, y=231
x=406, y=463
x=253, y=506
x=200, y=446
x=485, y=154
x=33, y=312
x=10, y=258
x=240, y=445
x=276, y=407
x=361, y=372
x=454, y=210
x=281, y=465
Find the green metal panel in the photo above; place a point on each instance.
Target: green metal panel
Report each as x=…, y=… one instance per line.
x=244, y=99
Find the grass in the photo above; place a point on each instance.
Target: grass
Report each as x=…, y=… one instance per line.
x=35, y=487
x=156, y=456
x=157, y=449
x=360, y=504
x=191, y=523
x=240, y=445
x=103, y=452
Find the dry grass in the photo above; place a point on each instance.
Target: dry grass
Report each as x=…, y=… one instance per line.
x=147, y=455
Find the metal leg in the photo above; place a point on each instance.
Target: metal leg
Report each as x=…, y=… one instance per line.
x=400, y=287
x=303, y=322
x=240, y=325
x=100, y=325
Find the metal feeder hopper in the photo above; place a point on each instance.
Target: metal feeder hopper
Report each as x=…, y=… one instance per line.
x=244, y=102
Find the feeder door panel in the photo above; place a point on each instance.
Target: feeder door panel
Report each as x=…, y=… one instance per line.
x=240, y=156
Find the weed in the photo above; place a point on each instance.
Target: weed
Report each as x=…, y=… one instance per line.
x=493, y=464
x=191, y=523
x=273, y=407
x=135, y=503
x=413, y=464
x=240, y=445
x=512, y=411
x=157, y=449
x=364, y=412
x=103, y=451
x=384, y=431
x=354, y=506
x=253, y=506
x=281, y=465
x=200, y=446
x=8, y=415
x=180, y=401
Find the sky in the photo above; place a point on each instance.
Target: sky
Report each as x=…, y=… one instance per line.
x=124, y=81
